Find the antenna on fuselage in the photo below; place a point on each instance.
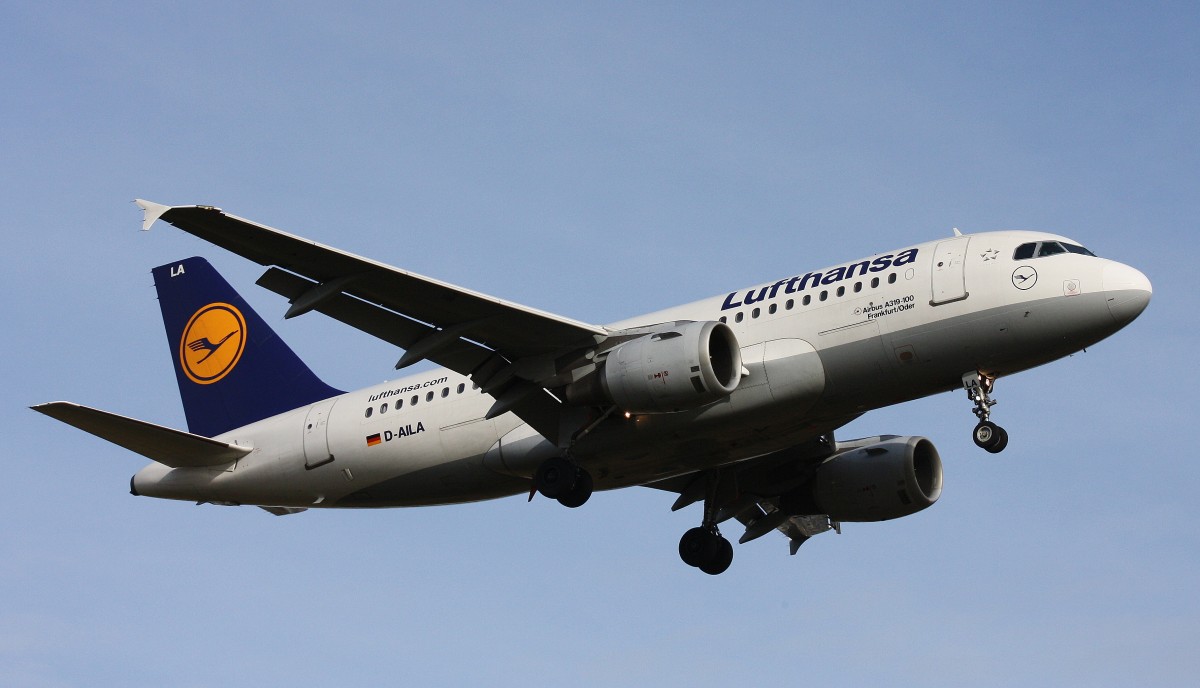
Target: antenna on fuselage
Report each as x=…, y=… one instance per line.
x=956, y=232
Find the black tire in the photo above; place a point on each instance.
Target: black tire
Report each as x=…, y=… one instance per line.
x=698, y=545
x=556, y=477
x=986, y=435
x=720, y=560
x=580, y=493
x=1001, y=441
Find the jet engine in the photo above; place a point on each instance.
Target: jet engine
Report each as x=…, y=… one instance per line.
x=894, y=477
x=678, y=368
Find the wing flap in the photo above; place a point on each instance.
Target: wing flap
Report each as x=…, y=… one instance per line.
x=460, y=356
x=167, y=446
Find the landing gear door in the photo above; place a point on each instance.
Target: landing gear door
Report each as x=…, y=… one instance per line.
x=949, y=280
x=316, y=434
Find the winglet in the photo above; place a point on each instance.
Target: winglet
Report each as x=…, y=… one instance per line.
x=153, y=212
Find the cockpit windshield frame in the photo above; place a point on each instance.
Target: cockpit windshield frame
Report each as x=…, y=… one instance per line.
x=1044, y=249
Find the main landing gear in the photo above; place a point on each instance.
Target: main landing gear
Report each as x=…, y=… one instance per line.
x=703, y=546
x=559, y=478
x=706, y=549
x=987, y=435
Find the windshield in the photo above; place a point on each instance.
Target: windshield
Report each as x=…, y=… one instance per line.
x=1042, y=249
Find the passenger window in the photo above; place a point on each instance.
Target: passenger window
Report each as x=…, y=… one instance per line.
x=824, y=295
x=461, y=386
x=370, y=409
x=383, y=407
x=892, y=278
x=841, y=292
x=857, y=287
x=429, y=396
x=1050, y=248
x=399, y=404
x=754, y=313
x=807, y=299
x=738, y=317
x=722, y=318
x=772, y=308
x=445, y=392
x=790, y=303
x=1024, y=251
x=414, y=400
x=874, y=282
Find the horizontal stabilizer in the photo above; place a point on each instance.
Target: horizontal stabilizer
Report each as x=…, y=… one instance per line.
x=167, y=446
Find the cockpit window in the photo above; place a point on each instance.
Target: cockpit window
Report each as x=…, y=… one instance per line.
x=1042, y=249
x=1050, y=248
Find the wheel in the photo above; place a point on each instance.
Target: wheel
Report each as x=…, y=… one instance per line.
x=999, y=442
x=698, y=545
x=721, y=559
x=580, y=492
x=986, y=435
x=556, y=477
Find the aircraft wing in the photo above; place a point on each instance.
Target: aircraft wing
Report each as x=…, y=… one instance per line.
x=513, y=352
x=167, y=446
x=742, y=490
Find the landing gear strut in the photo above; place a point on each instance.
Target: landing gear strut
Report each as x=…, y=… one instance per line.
x=704, y=547
x=987, y=435
x=559, y=478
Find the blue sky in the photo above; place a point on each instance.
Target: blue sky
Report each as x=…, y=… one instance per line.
x=598, y=160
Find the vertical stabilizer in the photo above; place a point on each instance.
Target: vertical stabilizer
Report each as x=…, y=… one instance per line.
x=231, y=367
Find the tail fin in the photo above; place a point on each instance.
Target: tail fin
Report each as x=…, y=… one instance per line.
x=232, y=368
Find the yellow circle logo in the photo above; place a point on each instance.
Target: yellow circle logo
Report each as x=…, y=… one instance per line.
x=212, y=343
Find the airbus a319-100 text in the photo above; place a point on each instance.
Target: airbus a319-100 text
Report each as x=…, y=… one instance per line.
x=730, y=402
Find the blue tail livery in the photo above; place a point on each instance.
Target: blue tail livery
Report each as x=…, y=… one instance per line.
x=231, y=367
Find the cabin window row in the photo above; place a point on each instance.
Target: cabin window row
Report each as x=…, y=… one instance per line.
x=808, y=299
x=416, y=399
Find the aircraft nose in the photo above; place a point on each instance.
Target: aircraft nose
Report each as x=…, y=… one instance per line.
x=1128, y=292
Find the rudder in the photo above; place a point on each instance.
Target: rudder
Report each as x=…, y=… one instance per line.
x=231, y=367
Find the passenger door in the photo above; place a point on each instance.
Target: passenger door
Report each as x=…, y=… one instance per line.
x=316, y=434
x=949, y=280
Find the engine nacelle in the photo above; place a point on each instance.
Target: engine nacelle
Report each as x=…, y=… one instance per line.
x=680, y=368
x=895, y=477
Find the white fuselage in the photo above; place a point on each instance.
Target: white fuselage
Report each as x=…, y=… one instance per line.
x=820, y=348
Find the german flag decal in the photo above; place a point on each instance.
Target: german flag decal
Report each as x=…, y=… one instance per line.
x=373, y=440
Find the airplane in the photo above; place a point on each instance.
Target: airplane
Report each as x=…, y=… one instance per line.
x=731, y=402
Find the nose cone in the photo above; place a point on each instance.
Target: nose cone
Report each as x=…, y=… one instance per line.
x=1128, y=292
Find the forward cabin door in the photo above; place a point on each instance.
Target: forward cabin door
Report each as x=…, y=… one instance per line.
x=949, y=280
x=316, y=434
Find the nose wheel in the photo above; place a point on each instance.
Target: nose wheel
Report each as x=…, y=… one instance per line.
x=990, y=436
x=987, y=435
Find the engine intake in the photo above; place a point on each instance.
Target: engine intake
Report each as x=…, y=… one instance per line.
x=676, y=369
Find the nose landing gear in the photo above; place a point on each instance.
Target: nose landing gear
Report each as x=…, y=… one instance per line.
x=987, y=435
